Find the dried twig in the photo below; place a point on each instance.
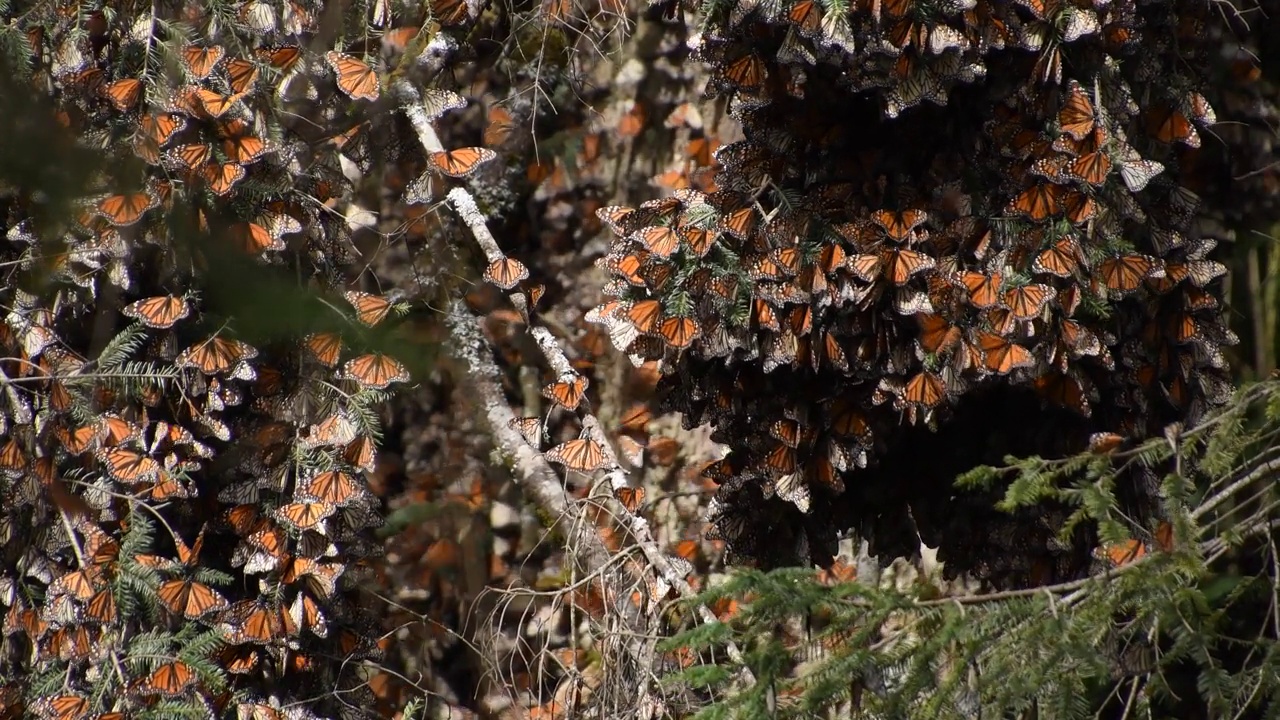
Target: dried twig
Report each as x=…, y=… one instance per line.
x=534, y=474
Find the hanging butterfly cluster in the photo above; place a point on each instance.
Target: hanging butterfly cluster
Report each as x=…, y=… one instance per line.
x=184, y=513
x=931, y=199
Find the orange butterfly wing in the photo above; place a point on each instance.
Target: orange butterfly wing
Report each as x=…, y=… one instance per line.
x=461, y=162
x=355, y=78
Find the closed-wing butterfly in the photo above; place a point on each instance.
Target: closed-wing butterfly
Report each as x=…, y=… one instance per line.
x=438, y=101
x=123, y=94
x=1077, y=118
x=644, y=315
x=253, y=239
x=283, y=58
x=370, y=309
x=461, y=162
x=530, y=428
x=355, y=78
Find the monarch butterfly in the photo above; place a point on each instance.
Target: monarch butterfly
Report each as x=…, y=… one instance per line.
x=80, y=584
x=699, y=240
x=1026, y=302
x=925, y=389
x=1060, y=259
x=747, y=73
x=128, y=466
x=128, y=209
x=170, y=680
x=221, y=177
x=282, y=57
x=241, y=76
x=898, y=226
x=530, y=428
x=568, y=391
x=786, y=430
x=215, y=355
x=200, y=61
x=1038, y=202
x=984, y=290
x=1123, y=274
x=1167, y=124
x=160, y=127
x=506, y=272
x=1077, y=118
x=631, y=498
x=450, y=12
x=59, y=707
x=355, y=78
x=191, y=156
x=332, y=487
x=615, y=216
x=1104, y=443
x=209, y=103
x=636, y=419
x=190, y=599
x=305, y=614
x=250, y=621
x=807, y=16
x=78, y=441
x=160, y=312
x=661, y=241
x=116, y=430
x=238, y=145
x=437, y=102
x=581, y=454
x=305, y=515
x=793, y=488
x=1137, y=172
x=370, y=308
x=1092, y=167
x=644, y=315
x=1001, y=355
x=900, y=265
x=461, y=162
x=375, y=371
x=936, y=334
x=123, y=94
x=325, y=347
x=679, y=332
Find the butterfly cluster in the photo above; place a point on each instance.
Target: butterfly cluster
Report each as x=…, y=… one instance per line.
x=185, y=498
x=931, y=200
